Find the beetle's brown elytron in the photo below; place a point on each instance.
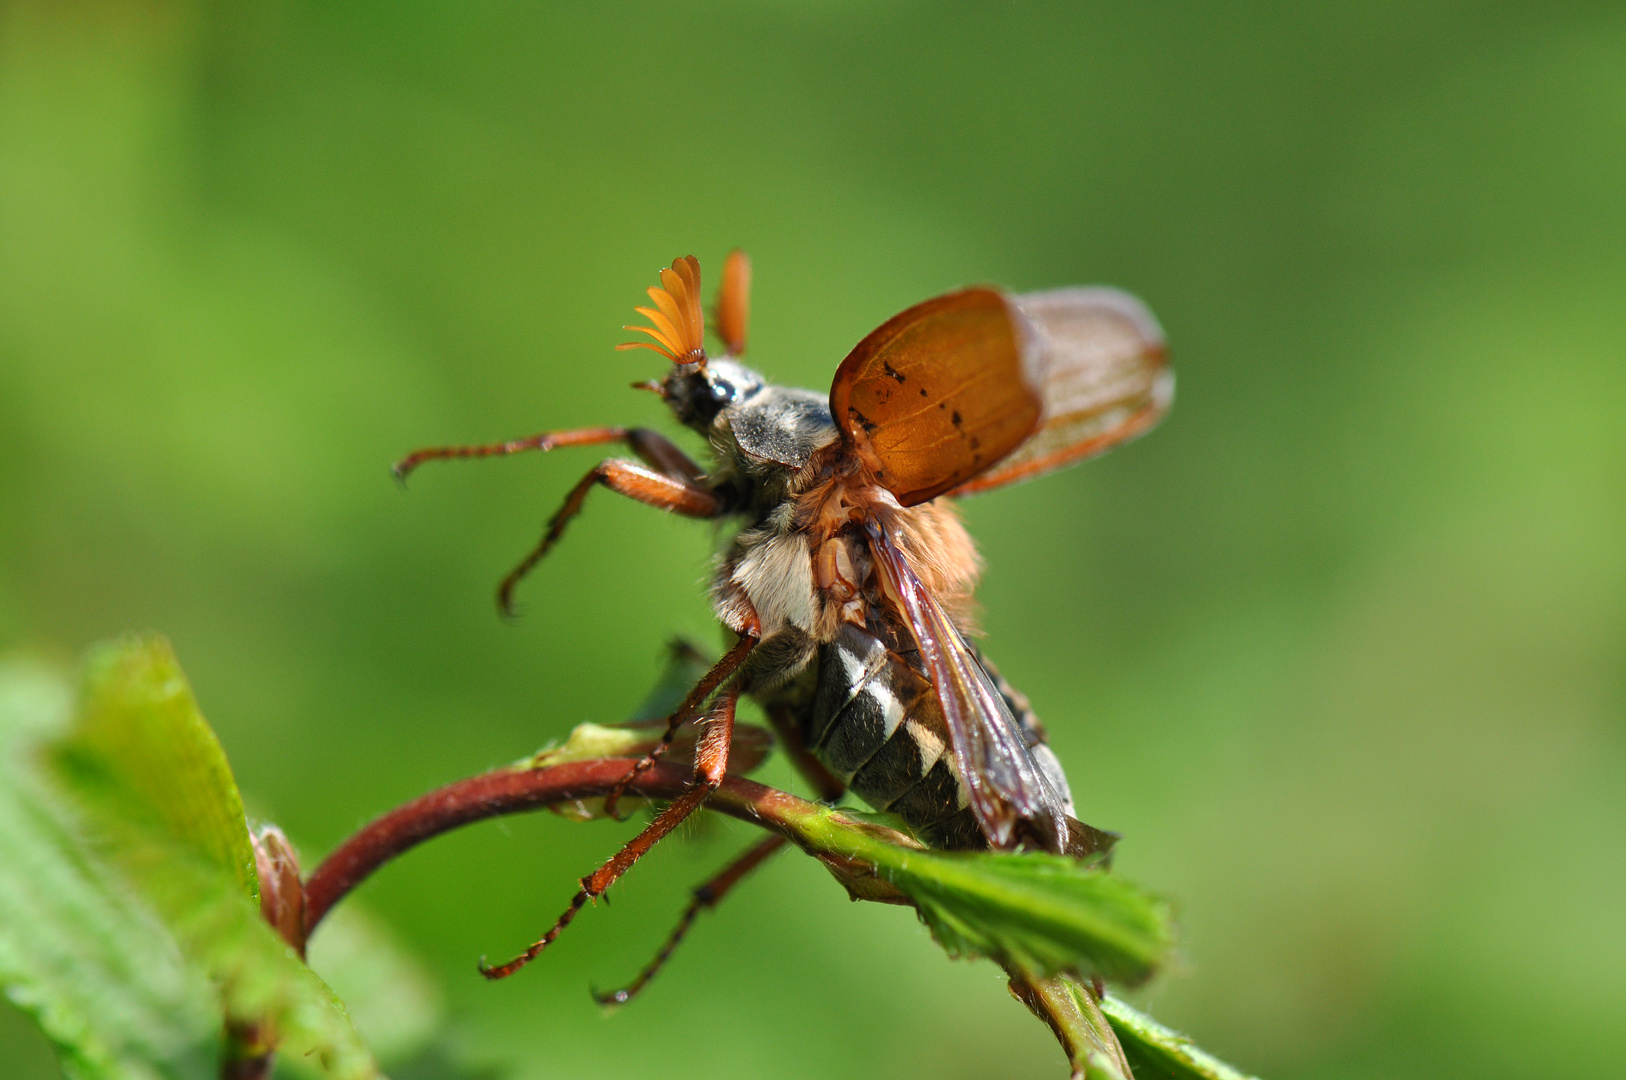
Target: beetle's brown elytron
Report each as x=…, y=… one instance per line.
x=847, y=585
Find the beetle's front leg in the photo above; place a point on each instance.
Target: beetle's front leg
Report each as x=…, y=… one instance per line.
x=678, y=494
x=686, y=711
x=543, y=441
x=656, y=449
x=651, y=447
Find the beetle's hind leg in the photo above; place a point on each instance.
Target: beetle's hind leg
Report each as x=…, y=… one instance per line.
x=711, y=763
x=704, y=898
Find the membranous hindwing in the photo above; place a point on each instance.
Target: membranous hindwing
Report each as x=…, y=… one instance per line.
x=1106, y=380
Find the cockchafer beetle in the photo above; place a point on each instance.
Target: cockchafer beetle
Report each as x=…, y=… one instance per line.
x=847, y=584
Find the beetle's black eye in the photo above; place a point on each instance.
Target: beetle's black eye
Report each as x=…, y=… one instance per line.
x=722, y=391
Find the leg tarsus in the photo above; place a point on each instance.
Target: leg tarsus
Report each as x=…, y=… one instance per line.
x=649, y=486
x=704, y=897
x=502, y=971
x=650, y=446
x=545, y=440
x=711, y=763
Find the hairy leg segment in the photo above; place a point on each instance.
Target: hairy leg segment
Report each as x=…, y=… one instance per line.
x=650, y=446
x=710, y=893
x=680, y=495
x=686, y=712
x=711, y=763
x=705, y=897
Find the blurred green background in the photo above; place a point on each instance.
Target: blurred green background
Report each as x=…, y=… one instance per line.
x=1340, y=649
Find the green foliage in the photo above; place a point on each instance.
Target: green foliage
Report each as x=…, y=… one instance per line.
x=586, y=742
x=1038, y=914
x=79, y=951
x=140, y=751
x=1043, y=914
x=132, y=931
x=1158, y=1053
x=149, y=938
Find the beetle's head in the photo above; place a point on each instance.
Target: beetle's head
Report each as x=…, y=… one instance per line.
x=698, y=387
x=698, y=391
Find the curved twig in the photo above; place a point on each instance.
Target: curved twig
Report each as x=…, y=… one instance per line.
x=847, y=847
x=514, y=791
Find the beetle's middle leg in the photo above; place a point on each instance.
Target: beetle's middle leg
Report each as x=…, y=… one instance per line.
x=711, y=893
x=711, y=763
x=685, y=712
x=680, y=494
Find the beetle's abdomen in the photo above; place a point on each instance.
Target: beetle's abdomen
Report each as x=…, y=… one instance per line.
x=876, y=724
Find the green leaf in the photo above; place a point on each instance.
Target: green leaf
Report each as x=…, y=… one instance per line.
x=159, y=802
x=89, y=960
x=131, y=930
x=1037, y=914
x=1158, y=1053
x=589, y=741
x=140, y=738
x=264, y=990
x=1041, y=914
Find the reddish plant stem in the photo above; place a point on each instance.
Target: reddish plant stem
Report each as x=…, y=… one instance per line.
x=513, y=791
x=1075, y=1017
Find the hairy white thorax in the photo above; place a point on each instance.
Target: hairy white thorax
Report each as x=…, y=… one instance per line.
x=785, y=571
x=798, y=564
x=771, y=568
